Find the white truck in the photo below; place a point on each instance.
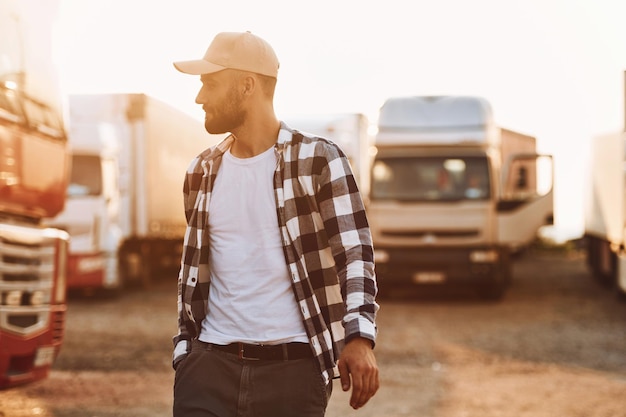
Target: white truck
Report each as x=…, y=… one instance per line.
x=348, y=130
x=453, y=195
x=605, y=211
x=124, y=211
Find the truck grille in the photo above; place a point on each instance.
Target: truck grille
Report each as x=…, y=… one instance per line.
x=27, y=265
x=23, y=322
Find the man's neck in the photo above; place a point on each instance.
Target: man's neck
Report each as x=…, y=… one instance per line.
x=255, y=138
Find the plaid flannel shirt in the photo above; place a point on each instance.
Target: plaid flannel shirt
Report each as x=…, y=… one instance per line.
x=326, y=241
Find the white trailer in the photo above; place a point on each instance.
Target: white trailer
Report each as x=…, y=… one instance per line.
x=453, y=195
x=605, y=209
x=124, y=211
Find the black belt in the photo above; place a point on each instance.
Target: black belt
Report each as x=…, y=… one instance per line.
x=284, y=352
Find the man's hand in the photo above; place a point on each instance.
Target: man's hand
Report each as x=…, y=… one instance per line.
x=357, y=367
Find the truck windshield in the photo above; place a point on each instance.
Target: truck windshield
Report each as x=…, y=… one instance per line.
x=86, y=178
x=430, y=179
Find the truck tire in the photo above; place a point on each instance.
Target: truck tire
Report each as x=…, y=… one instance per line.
x=495, y=290
x=601, y=261
x=145, y=261
x=492, y=292
x=109, y=293
x=134, y=257
x=145, y=271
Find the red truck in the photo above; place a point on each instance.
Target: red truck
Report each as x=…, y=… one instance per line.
x=33, y=180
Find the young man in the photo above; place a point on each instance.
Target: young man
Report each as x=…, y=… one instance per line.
x=276, y=293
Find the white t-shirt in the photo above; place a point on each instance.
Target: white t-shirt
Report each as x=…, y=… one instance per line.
x=251, y=299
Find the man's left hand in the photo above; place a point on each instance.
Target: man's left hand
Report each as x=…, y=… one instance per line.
x=358, y=368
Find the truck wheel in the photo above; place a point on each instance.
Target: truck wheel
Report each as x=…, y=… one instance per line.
x=145, y=269
x=135, y=266
x=602, y=261
x=109, y=293
x=495, y=290
x=145, y=275
x=619, y=286
x=492, y=292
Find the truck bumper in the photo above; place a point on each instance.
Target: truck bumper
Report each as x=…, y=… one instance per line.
x=85, y=271
x=92, y=271
x=473, y=266
x=25, y=359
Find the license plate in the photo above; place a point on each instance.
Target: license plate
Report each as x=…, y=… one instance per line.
x=429, y=277
x=91, y=264
x=44, y=356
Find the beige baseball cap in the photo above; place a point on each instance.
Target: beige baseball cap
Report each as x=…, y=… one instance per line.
x=235, y=50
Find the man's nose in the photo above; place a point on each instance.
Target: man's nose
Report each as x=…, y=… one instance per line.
x=200, y=97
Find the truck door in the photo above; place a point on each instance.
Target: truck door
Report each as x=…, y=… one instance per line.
x=526, y=199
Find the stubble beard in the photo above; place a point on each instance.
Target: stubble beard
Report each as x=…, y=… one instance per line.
x=227, y=117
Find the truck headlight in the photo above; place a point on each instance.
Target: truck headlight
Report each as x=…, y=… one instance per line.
x=37, y=298
x=483, y=256
x=13, y=298
x=381, y=256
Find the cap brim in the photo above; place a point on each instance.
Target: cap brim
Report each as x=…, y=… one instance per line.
x=197, y=67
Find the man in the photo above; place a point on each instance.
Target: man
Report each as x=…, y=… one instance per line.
x=276, y=293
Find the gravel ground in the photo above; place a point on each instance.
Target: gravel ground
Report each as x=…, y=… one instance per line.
x=555, y=345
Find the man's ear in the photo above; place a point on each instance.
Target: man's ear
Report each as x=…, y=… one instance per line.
x=249, y=84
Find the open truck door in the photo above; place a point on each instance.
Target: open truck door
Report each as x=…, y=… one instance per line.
x=526, y=200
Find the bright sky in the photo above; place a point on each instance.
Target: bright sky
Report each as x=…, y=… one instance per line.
x=550, y=68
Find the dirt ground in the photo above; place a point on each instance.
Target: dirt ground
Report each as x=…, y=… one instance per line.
x=555, y=345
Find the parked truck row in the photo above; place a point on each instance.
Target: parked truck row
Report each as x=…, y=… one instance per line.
x=450, y=195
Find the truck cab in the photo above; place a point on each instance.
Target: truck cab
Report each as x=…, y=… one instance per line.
x=91, y=215
x=34, y=166
x=452, y=195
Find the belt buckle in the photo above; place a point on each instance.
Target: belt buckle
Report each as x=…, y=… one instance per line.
x=241, y=355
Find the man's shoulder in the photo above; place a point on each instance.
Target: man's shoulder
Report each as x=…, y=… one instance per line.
x=306, y=144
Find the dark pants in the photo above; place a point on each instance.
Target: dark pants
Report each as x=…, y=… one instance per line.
x=211, y=383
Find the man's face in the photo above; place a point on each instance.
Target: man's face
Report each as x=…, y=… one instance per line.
x=221, y=101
